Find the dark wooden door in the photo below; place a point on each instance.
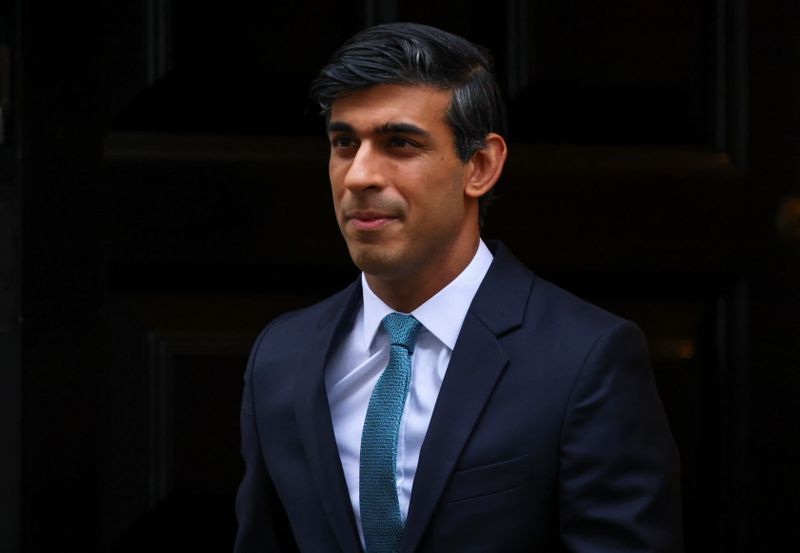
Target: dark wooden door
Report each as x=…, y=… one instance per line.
x=165, y=150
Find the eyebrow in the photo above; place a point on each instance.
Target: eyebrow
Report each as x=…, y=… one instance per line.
x=338, y=126
x=386, y=128
x=403, y=128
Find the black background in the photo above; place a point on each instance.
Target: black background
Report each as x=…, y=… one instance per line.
x=164, y=194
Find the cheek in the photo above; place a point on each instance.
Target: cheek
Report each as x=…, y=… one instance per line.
x=443, y=189
x=337, y=189
x=336, y=170
x=336, y=196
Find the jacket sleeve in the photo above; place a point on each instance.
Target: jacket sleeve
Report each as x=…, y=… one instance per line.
x=263, y=525
x=619, y=475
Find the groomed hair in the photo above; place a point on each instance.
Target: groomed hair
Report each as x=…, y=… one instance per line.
x=415, y=54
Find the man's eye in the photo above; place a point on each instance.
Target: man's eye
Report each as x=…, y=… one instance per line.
x=342, y=142
x=398, y=142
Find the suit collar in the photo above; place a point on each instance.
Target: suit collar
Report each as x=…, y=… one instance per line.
x=314, y=417
x=477, y=363
x=503, y=297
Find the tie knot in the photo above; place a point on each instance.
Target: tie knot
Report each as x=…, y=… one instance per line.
x=402, y=330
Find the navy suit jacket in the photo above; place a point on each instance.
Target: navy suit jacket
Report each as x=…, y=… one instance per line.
x=548, y=434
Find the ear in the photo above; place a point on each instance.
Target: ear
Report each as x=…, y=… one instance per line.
x=485, y=166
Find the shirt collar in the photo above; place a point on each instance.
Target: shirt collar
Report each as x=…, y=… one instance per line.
x=443, y=314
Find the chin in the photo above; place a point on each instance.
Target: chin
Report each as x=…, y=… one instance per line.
x=373, y=260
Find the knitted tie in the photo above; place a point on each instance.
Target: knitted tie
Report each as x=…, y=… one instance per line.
x=380, y=509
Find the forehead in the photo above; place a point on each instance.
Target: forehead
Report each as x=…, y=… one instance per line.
x=422, y=105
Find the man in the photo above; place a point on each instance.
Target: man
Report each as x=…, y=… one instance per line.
x=449, y=400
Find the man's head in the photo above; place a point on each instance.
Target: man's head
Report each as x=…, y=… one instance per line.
x=411, y=114
x=415, y=54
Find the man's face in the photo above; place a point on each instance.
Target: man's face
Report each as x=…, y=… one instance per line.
x=398, y=186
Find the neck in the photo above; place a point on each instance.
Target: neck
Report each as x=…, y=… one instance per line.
x=406, y=293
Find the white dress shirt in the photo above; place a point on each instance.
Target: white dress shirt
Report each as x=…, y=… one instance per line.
x=359, y=360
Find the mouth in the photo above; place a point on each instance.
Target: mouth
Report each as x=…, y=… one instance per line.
x=369, y=220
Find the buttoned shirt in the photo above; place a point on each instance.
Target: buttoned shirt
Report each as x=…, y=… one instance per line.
x=359, y=360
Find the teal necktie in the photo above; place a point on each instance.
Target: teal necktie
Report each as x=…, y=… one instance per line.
x=380, y=510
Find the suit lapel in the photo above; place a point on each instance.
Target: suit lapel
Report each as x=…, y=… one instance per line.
x=477, y=363
x=315, y=424
x=475, y=366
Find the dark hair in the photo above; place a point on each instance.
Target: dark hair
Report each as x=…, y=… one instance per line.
x=415, y=54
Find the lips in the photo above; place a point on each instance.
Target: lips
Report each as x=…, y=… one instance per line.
x=369, y=219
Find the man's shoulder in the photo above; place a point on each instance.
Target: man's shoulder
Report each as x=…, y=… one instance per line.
x=515, y=286
x=555, y=326
x=539, y=310
x=554, y=303
x=573, y=326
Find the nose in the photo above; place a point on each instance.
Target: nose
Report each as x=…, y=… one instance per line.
x=365, y=169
